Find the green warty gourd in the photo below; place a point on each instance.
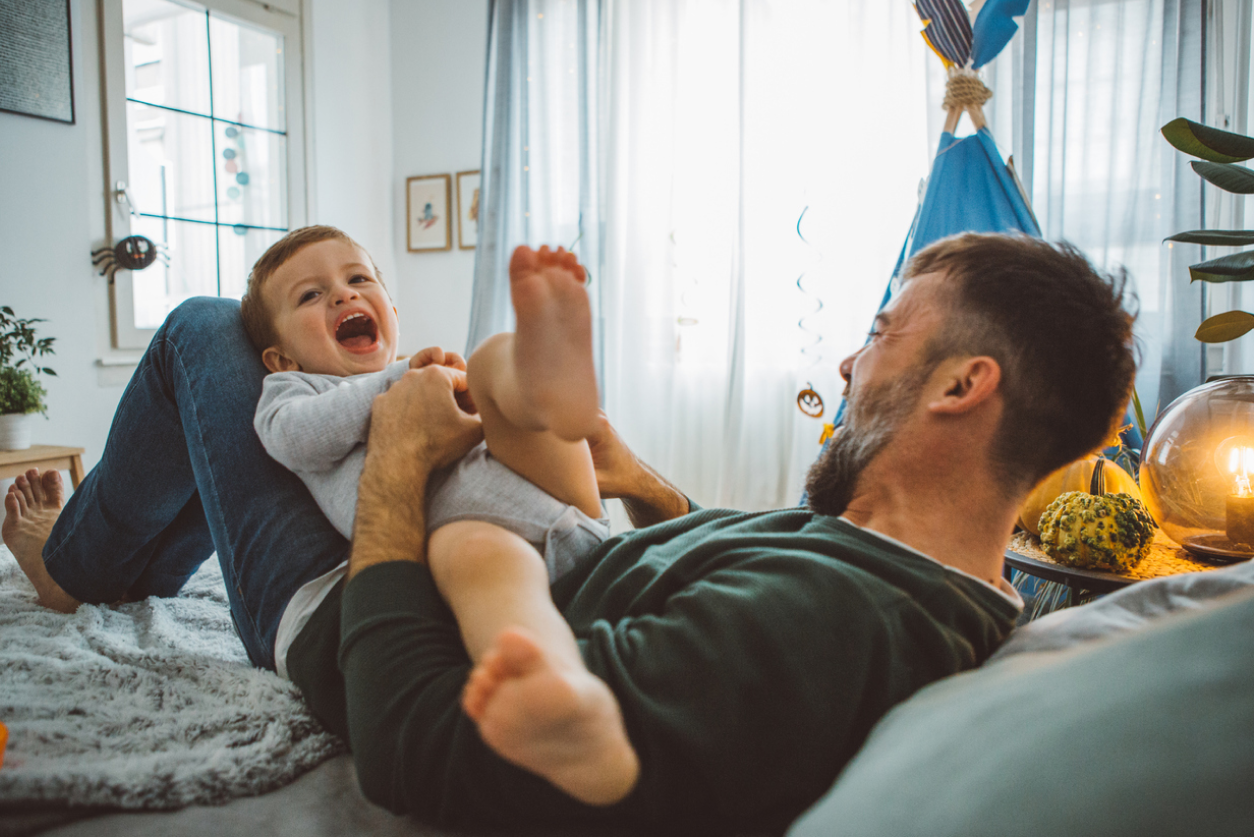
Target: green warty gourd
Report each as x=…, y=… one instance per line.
x=1109, y=532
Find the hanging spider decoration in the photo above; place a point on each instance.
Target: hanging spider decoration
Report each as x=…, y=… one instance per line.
x=135, y=252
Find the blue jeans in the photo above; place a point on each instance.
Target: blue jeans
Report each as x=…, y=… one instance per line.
x=183, y=474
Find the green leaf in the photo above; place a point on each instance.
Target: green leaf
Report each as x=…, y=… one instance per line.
x=1207, y=142
x=1140, y=414
x=1215, y=238
x=1224, y=327
x=1239, y=267
x=1236, y=179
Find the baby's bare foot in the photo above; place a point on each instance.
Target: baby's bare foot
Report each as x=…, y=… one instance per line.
x=31, y=508
x=561, y=724
x=553, y=339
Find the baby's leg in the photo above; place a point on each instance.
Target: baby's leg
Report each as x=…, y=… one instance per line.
x=536, y=388
x=535, y=702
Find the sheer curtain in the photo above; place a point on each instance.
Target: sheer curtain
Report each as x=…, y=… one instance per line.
x=539, y=182
x=762, y=162
x=739, y=177
x=1108, y=74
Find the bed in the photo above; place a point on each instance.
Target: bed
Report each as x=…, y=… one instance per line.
x=1078, y=716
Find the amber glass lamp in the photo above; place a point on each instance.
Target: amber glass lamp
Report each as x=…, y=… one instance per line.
x=1196, y=469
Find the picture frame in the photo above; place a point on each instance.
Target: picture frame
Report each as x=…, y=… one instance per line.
x=428, y=201
x=37, y=59
x=468, y=209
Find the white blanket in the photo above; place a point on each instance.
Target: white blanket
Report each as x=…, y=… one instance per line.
x=144, y=705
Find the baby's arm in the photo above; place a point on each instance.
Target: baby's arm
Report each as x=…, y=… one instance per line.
x=306, y=427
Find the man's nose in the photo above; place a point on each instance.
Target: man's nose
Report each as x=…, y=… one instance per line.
x=846, y=366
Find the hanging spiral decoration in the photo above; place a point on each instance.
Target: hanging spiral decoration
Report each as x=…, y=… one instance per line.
x=809, y=349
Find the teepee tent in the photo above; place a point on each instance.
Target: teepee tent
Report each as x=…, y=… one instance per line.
x=970, y=189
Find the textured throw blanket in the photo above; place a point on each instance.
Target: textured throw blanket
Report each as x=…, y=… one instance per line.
x=144, y=705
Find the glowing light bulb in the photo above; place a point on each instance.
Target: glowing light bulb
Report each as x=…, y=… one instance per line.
x=1235, y=460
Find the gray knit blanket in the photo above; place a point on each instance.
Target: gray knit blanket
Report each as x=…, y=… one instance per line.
x=145, y=705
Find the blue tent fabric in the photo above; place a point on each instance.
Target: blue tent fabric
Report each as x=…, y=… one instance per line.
x=994, y=27
x=970, y=190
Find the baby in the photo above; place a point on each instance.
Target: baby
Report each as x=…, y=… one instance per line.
x=510, y=516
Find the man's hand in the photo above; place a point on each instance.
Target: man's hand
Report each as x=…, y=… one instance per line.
x=416, y=427
x=646, y=495
x=435, y=356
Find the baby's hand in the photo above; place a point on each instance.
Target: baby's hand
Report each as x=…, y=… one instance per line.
x=435, y=356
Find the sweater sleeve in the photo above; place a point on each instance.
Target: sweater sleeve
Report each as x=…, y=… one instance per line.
x=306, y=427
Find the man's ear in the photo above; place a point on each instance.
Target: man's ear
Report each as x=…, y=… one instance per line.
x=274, y=360
x=968, y=382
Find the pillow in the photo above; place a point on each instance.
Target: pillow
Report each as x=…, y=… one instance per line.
x=1129, y=609
x=1150, y=732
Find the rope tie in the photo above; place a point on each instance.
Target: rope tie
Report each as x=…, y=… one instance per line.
x=964, y=90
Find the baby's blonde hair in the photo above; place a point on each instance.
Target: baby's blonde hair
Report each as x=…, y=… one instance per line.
x=259, y=320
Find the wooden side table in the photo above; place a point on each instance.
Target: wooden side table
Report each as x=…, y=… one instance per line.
x=1164, y=558
x=43, y=457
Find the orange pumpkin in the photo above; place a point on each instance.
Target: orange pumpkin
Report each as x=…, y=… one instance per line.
x=1078, y=476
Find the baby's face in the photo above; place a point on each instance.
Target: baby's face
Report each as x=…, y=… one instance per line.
x=331, y=313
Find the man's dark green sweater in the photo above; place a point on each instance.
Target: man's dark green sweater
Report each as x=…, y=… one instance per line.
x=751, y=655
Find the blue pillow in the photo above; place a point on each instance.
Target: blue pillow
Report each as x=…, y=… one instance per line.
x=1150, y=732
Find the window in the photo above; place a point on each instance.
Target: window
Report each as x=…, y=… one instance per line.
x=205, y=150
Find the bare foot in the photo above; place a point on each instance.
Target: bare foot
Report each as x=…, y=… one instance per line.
x=31, y=507
x=553, y=339
x=563, y=725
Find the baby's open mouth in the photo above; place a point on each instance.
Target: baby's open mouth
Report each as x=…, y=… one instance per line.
x=357, y=332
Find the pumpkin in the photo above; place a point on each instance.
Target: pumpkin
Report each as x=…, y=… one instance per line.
x=1112, y=532
x=1081, y=475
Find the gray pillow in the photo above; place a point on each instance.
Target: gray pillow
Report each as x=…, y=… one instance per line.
x=1148, y=733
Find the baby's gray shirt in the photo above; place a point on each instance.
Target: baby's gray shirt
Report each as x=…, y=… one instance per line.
x=316, y=426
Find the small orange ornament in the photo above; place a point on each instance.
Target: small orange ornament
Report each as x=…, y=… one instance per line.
x=4, y=740
x=810, y=402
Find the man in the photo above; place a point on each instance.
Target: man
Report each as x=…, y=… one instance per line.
x=749, y=654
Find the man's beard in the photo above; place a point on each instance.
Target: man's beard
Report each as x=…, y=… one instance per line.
x=872, y=418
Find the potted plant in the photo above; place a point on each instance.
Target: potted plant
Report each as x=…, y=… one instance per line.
x=1219, y=152
x=21, y=394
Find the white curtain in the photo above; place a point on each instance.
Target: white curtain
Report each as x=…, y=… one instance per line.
x=539, y=182
x=740, y=175
x=750, y=147
x=1100, y=78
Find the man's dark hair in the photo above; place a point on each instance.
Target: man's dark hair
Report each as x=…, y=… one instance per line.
x=1058, y=329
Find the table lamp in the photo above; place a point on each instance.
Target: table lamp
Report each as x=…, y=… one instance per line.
x=1196, y=470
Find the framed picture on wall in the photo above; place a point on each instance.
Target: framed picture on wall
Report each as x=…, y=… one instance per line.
x=36, y=60
x=428, y=203
x=467, y=209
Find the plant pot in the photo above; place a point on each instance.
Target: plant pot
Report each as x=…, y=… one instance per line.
x=15, y=431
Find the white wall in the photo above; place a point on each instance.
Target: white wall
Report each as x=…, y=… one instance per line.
x=348, y=70
x=438, y=53
x=396, y=89
x=51, y=215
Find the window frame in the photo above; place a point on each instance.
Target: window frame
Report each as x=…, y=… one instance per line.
x=281, y=16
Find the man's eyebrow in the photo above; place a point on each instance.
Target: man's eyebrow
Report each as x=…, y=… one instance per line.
x=882, y=319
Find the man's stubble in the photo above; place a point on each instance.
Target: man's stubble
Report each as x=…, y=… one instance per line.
x=872, y=418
